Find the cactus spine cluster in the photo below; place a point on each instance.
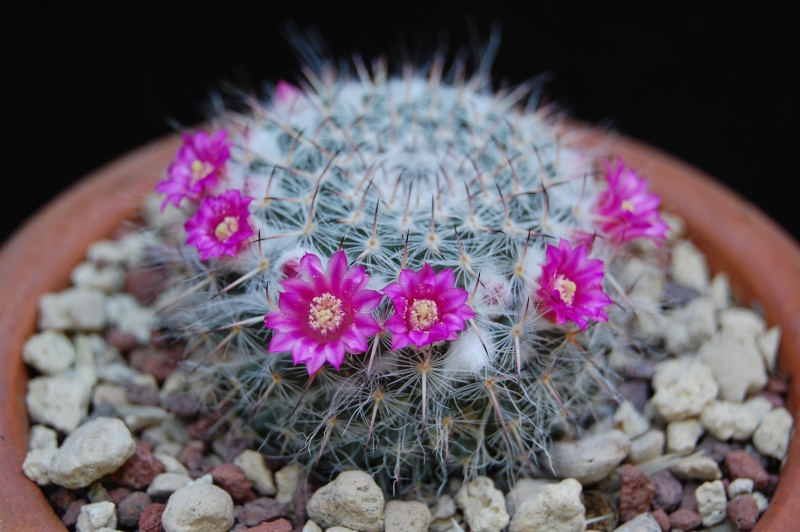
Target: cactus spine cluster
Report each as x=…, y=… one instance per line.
x=428, y=167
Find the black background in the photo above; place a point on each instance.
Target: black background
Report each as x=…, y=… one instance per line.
x=715, y=85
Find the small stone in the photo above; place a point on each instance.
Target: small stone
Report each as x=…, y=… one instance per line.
x=641, y=523
x=667, y=490
x=49, y=351
x=95, y=516
x=151, y=362
x=740, y=486
x=60, y=499
x=311, y=526
x=725, y=420
x=601, y=509
x=636, y=391
x=743, y=512
x=183, y=404
x=771, y=438
x=281, y=525
x=166, y=484
x=736, y=364
x=688, y=500
x=557, y=507
x=684, y=519
x=94, y=449
x=98, y=493
x=742, y=465
x=688, y=266
x=741, y=320
x=107, y=278
x=111, y=395
x=140, y=469
x=36, y=465
x=715, y=449
x=406, y=516
x=689, y=326
x=630, y=421
x=70, y=517
x=768, y=343
x=646, y=447
x=171, y=464
x=142, y=394
x=121, y=340
x=195, y=460
x=260, y=510
x=662, y=519
x=761, y=501
x=198, y=506
x=720, y=290
x=711, y=502
x=636, y=492
x=231, y=478
x=126, y=314
x=145, y=283
x=130, y=509
x=150, y=519
x=696, y=467
x=60, y=401
x=74, y=309
x=524, y=488
x=682, y=435
x=684, y=387
x=352, y=499
x=256, y=471
x=287, y=479
x=590, y=459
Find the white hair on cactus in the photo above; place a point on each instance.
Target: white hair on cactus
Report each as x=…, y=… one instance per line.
x=469, y=353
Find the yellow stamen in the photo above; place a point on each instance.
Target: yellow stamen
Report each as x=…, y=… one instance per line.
x=200, y=170
x=566, y=289
x=424, y=314
x=627, y=206
x=325, y=313
x=226, y=228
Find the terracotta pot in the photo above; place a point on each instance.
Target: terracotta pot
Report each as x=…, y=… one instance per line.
x=763, y=262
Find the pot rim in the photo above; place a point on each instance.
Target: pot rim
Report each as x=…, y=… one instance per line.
x=38, y=257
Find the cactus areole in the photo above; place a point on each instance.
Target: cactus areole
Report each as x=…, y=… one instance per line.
x=410, y=274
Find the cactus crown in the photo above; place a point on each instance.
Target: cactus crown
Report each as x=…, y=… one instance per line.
x=471, y=211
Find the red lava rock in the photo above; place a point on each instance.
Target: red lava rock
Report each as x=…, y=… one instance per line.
x=150, y=519
x=130, y=509
x=662, y=519
x=233, y=447
x=743, y=512
x=300, y=500
x=635, y=493
x=281, y=525
x=70, y=517
x=146, y=283
x=140, y=394
x=195, y=460
x=668, y=491
x=684, y=519
x=230, y=477
x=742, y=465
x=118, y=494
x=688, y=500
x=772, y=483
x=261, y=510
x=123, y=341
x=777, y=385
x=152, y=362
x=774, y=399
x=713, y=448
x=204, y=428
x=60, y=499
x=636, y=391
x=140, y=469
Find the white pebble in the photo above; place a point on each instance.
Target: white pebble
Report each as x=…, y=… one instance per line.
x=165, y=484
x=352, y=499
x=741, y=320
x=42, y=437
x=720, y=291
x=36, y=465
x=256, y=471
x=198, y=506
x=524, y=488
x=286, y=480
x=684, y=387
x=761, y=501
x=630, y=421
x=483, y=505
x=96, y=516
x=171, y=464
x=641, y=523
x=125, y=312
x=556, y=508
x=406, y=516
x=772, y=435
x=74, y=309
x=736, y=363
x=725, y=420
x=711, y=502
x=94, y=449
x=689, y=326
x=60, y=401
x=696, y=467
x=768, y=344
x=646, y=447
x=740, y=486
x=688, y=266
x=107, y=278
x=49, y=351
x=682, y=435
x=590, y=459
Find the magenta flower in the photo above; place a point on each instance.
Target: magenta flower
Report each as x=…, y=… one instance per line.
x=322, y=315
x=198, y=167
x=428, y=308
x=285, y=91
x=571, y=286
x=220, y=226
x=626, y=210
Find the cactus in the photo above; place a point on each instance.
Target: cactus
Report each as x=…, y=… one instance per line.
x=423, y=183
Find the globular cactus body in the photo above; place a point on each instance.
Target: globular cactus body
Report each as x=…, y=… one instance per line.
x=424, y=172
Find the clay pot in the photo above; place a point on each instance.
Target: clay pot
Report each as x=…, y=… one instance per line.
x=762, y=261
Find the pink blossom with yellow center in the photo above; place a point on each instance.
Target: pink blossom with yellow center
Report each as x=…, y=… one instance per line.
x=221, y=225
x=571, y=286
x=323, y=314
x=428, y=308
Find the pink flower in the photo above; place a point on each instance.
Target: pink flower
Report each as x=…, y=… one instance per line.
x=198, y=167
x=221, y=225
x=571, y=286
x=626, y=210
x=428, y=308
x=322, y=315
x=285, y=91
